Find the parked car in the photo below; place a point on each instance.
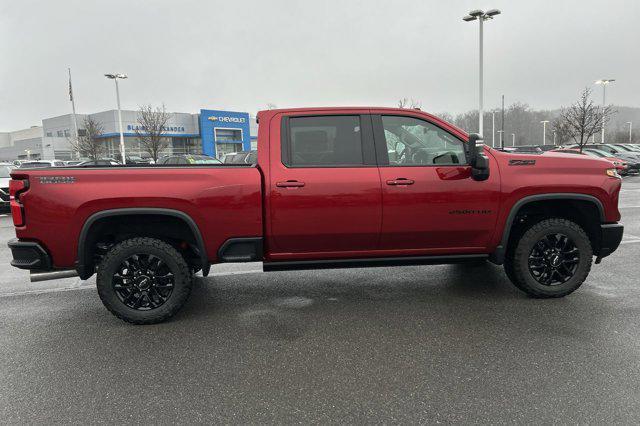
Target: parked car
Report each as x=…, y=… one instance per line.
x=5, y=177
x=187, y=159
x=101, y=162
x=632, y=158
x=244, y=157
x=627, y=147
x=621, y=166
x=324, y=194
x=69, y=163
x=41, y=164
x=533, y=149
x=135, y=160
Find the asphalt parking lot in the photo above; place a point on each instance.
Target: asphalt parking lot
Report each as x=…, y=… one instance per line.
x=415, y=344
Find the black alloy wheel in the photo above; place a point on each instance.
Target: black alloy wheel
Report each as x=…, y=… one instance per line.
x=553, y=260
x=143, y=282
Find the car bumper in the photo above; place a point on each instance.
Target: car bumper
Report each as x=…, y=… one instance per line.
x=29, y=255
x=611, y=235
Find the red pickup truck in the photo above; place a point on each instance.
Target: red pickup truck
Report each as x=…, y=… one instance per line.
x=332, y=188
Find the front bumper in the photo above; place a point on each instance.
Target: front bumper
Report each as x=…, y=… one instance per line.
x=29, y=255
x=611, y=235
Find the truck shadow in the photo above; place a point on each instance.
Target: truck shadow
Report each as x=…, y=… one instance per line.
x=282, y=305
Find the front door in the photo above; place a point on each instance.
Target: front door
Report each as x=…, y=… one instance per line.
x=325, y=191
x=430, y=201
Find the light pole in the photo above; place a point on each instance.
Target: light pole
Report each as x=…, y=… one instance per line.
x=630, y=124
x=513, y=139
x=604, y=82
x=115, y=78
x=493, y=129
x=480, y=16
x=554, y=138
x=544, y=132
x=501, y=132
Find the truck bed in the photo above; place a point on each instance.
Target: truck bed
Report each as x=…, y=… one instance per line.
x=225, y=201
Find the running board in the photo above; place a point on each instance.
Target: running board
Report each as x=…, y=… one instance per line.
x=371, y=262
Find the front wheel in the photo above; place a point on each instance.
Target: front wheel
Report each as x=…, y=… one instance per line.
x=551, y=259
x=143, y=281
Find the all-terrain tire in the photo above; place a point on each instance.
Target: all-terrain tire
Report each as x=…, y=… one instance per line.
x=173, y=260
x=517, y=261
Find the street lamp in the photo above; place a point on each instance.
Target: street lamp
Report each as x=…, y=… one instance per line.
x=513, y=139
x=480, y=16
x=501, y=132
x=630, y=124
x=604, y=82
x=554, y=138
x=115, y=78
x=493, y=129
x=544, y=132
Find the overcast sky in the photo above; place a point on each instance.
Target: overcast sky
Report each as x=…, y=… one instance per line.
x=241, y=55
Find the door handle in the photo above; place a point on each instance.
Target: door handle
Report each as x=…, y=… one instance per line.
x=290, y=184
x=400, y=181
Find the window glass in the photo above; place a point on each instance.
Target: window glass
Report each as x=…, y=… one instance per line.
x=411, y=141
x=325, y=141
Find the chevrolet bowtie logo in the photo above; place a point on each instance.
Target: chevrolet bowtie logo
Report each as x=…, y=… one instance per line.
x=213, y=118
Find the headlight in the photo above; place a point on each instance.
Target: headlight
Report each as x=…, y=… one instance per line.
x=613, y=173
x=617, y=163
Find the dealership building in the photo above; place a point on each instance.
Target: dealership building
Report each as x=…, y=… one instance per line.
x=210, y=132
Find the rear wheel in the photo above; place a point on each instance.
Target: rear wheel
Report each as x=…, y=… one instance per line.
x=551, y=259
x=143, y=281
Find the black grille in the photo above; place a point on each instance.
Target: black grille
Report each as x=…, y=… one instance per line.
x=4, y=194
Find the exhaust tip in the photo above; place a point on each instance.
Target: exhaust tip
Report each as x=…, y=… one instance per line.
x=35, y=277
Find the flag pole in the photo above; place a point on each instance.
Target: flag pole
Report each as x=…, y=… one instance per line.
x=73, y=108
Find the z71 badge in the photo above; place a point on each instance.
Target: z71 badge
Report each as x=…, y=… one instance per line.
x=57, y=179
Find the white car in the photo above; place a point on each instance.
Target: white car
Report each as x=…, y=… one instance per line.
x=41, y=164
x=5, y=170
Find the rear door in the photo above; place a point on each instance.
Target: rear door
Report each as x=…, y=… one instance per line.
x=325, y=194
x=430, y=201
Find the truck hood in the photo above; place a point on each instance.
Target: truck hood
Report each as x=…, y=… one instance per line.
x=555, y=160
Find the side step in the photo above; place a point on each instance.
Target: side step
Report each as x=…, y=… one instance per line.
x=371, y=262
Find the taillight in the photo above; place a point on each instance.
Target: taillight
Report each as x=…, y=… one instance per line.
x=17, y=187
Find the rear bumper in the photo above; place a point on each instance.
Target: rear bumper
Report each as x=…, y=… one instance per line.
x=611, y=235
x=29, y=255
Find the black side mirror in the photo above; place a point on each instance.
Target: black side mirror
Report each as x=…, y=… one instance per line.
x=476, y=158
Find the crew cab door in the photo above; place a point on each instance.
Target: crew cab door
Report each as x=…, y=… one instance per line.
x=324, y=189
x=430, y=201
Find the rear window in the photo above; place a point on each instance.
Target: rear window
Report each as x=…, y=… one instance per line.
x=325, y=141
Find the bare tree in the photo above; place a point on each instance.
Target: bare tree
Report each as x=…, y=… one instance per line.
x=561, y=130
x=271, y=106
x=583, y=119
x=410, y=104
x=88, y=143
x=152, y=122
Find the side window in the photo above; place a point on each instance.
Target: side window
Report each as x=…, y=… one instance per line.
x=411, y=142
x=325, y=141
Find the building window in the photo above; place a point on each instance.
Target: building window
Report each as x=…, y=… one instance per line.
x=66, y=132
x=49, y=134
x=60, y=133
x=227, y=135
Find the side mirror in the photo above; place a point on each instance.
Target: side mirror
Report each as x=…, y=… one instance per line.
x=470, y=148
x=476, y=158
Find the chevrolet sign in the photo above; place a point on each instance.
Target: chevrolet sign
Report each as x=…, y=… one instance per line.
x=227, y=119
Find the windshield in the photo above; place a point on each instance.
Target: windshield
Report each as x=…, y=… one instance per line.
x=4, y=171
x=599, y=152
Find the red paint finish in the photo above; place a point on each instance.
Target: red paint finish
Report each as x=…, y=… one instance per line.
x=223, y=203
x=315, y=213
